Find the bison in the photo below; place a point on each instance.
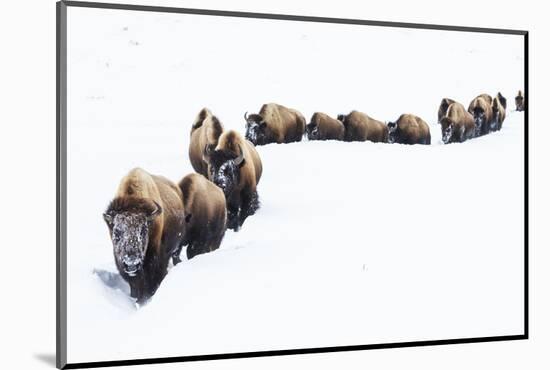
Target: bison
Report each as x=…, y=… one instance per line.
x=360, y=127
x=445, y=102
x=205, y=131
x=409, y=129
x=146, y=222
x=324, y=127
x=499, y=112
x=481, y=109
x=457, y=125
x=520, y=102
x=205, y=216
x=151, y=219
x=235, y=166
x=274, y=124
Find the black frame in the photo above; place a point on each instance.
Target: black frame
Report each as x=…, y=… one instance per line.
x=61, y=189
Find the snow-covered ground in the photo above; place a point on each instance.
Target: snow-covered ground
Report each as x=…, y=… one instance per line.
x=355, y=243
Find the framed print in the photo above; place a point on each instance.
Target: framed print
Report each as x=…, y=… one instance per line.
x=239, y=184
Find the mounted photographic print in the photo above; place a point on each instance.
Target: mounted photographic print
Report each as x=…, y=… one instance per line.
x=239, y=184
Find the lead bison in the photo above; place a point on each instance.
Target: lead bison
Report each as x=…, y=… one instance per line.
x=409, y=129
x=520, y=102
x=235, y=166
x=324, y=127
x=149, y=224
x=274, y=124
x=206, y=130
x=361, y=127
x=457, y=125
x=481, y=109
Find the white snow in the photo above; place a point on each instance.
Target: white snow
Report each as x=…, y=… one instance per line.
x=354, y=243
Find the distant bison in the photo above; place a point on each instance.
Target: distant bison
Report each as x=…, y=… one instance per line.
x=235, y=166
x=274, y=124
x=146, y=224
x=205, y=131
x=205, y=215
x=324, y=127
x=361, y=127
x=409, y=129
x=443, y=106
x=499, y=112
x=481, y=109
x=520, y=102
x=457, y=125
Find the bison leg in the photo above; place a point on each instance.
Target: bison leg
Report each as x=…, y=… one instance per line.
x=461, y=131
x=176, y=255
x=233, y=205
x=137, y=288
x=250, y=205
x=196, y=248
x=133, y=291
x=233, y=219
x=215, y=243
x=191, y=251
x=428, y=140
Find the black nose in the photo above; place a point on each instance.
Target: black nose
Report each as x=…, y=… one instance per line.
x=131, y=265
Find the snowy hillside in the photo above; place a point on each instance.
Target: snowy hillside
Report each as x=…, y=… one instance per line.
x=355, y=243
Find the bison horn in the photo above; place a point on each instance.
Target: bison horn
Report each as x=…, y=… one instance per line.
x=156, y=211
x=246, y=116
x=240, y=158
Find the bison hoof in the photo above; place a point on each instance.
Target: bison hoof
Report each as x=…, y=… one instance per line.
x=235, y=227
x=233, y=223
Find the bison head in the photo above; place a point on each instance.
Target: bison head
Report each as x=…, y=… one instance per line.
x=341, y=117
x=129, y=232
x=312, y=131
x=479, y=119
x=392, y=132
x=447, y=128
x=255, y=129
x=224, y=168
x=447, y=134
x=519, y=103
x=502, y=100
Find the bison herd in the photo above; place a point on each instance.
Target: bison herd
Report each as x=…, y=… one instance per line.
x=151, y=218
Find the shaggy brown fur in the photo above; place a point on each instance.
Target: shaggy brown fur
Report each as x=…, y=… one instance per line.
x=235, y=166
x=324, y=127
x=499, y=112
x=520, y=102
x=361, y=127
x=481, y=109
x=409, y=129
x=205, y=131
x=445, y=102
x=275, y=124
x=205, y=215
x=158, y=200
x=457, y=125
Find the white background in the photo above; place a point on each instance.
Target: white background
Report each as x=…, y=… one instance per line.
x=29, y=187
x=367, y=255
